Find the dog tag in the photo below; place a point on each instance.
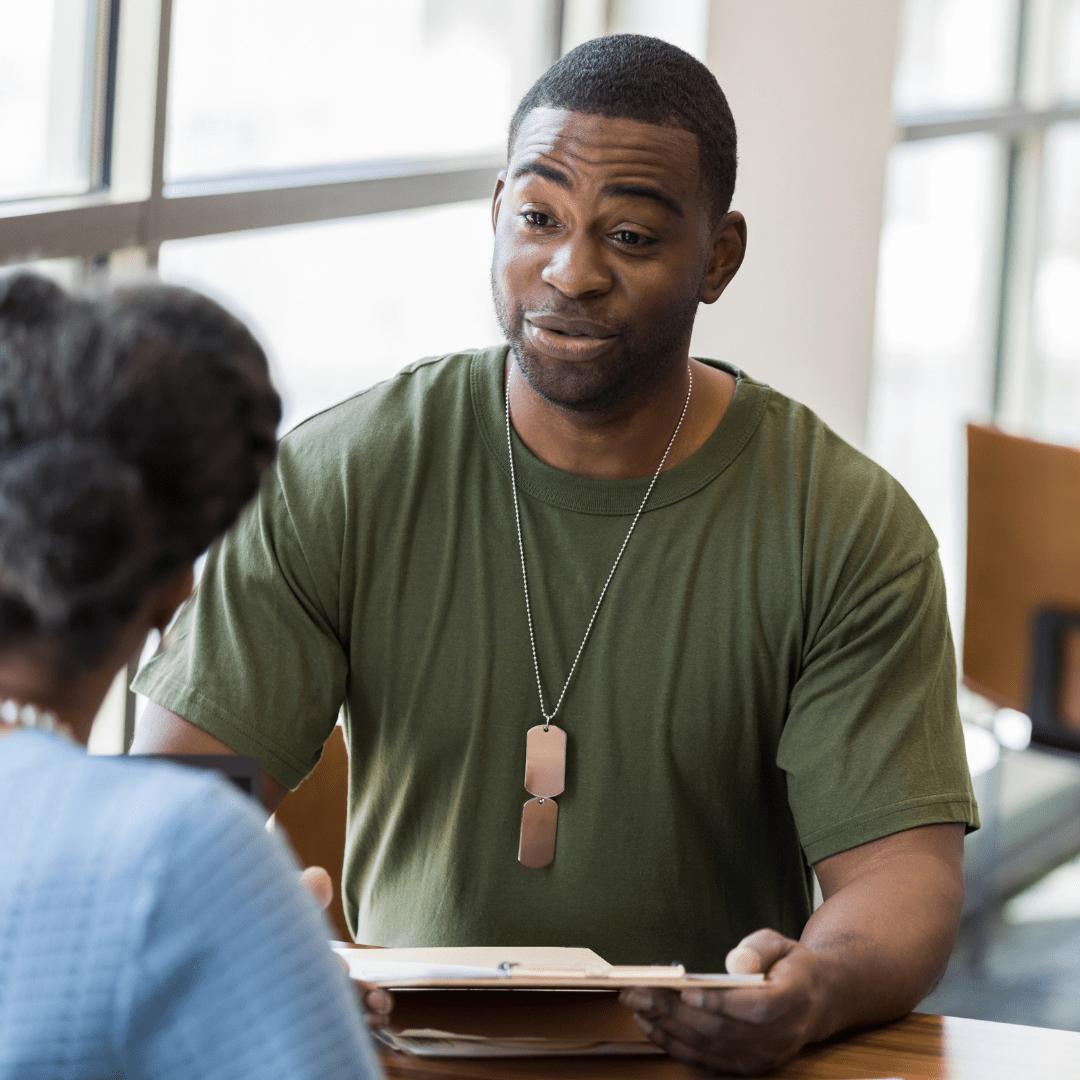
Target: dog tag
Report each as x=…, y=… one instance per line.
x=539, y=822
x=545, y=762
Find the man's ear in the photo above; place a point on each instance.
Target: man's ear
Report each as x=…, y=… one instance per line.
x=170, y=594
x=496, y=200
x=726, y=253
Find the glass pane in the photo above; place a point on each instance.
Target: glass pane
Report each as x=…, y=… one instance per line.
x=47, y=50
x=1055, y=393
x=937, y=284
x=1051, y=53
x=955, y=54
x=341, y=305
x=266, y=84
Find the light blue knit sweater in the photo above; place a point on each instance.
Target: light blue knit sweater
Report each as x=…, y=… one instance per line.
x=150, y=928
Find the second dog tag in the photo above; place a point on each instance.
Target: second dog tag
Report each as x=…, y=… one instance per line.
x=539, y=822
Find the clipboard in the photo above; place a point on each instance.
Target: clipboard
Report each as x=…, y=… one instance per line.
x=526, y=1002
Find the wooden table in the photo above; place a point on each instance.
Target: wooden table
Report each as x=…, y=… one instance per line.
x=918, y=1047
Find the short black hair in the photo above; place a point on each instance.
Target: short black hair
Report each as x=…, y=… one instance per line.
x=633, y=77
x=133, y=430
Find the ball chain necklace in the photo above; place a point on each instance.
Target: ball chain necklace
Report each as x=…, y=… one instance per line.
x=545, y=744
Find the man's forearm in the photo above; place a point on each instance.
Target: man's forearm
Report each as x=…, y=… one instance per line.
x=884, y=934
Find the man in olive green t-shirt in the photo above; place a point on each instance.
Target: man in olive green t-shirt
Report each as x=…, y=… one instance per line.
x=766, y=684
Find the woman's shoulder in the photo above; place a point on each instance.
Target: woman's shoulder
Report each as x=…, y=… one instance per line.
x=123, y=806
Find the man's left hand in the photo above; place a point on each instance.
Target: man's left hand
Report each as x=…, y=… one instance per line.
x=744, y=1030
x=870, y=953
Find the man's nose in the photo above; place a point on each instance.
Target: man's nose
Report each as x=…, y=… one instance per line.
x=577, y=267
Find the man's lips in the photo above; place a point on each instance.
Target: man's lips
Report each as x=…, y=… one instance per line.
x=570, y=327
x=567, y=339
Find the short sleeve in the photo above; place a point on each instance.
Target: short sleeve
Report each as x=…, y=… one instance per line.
x=230, y=974
x=255, y=657
x=873, y=743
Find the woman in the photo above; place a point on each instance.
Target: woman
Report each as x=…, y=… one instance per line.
x=149, y=926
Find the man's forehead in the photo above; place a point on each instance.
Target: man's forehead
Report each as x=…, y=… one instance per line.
x=599, y=139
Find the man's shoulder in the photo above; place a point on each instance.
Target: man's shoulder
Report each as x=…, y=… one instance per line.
x=851, y=508
x=382, y=438
x=826, y=463
x=435, y=390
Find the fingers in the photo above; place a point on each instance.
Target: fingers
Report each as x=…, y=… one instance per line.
x=701, y=1056
x=654, y=1006
x=758, y=952
x=714, y=1039
x=317, y=882
x=712, y=1015
x=378, y=1003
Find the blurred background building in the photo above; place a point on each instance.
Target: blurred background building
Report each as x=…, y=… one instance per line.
x=910, y=172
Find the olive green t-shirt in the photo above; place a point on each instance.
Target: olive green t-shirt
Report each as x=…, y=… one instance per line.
x=770, y=679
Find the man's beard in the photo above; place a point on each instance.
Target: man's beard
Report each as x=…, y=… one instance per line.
x=646, y=356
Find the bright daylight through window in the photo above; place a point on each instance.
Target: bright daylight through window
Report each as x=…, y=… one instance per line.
x=253, y=88
x=49, y=65
x=978, y=316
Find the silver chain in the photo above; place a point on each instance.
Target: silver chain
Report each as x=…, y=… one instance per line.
x=548, y=717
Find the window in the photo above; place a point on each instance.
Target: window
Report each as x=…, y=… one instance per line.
x=50, y=65
x=254, y=87
x=1054, y=409
x=338, y=304
x=978, y=316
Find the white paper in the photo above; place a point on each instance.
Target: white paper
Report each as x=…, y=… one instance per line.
x=384, y=965
x=365, y=965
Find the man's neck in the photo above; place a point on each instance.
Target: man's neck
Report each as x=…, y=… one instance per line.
x=627, y=441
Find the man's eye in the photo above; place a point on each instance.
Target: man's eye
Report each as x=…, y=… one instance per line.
x=630, y=239
x=534, y=217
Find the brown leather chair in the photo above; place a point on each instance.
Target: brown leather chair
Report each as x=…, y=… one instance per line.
x=314, y=817
x=1023, y=570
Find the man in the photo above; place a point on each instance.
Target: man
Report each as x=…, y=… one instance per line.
x=766, y=683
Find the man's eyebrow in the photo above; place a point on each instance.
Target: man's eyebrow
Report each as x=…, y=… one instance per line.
x=545, y=172
x=624, y=190
x=644, y=191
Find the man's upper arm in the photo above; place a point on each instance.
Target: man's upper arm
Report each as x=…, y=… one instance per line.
x=872, y=743
x=255, y=658
x=161, y=731
x=935, y=851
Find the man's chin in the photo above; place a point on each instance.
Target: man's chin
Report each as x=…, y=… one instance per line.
x=571, y=385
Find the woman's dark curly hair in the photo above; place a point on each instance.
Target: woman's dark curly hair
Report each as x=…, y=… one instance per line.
x=133, y=429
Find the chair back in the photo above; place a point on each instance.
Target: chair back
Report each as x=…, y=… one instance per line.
x=1023, y=560
x=314, y=817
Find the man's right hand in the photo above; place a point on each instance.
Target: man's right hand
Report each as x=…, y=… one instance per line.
x=161, y=731
x=376, y=1002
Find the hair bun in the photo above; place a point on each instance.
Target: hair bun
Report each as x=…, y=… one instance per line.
x=30, y=299
x=72, y=519
x=133, y=430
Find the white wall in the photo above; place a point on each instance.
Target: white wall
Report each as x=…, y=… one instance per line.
x=682, y=22
x=809, y=83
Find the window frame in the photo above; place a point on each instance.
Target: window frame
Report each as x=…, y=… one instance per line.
x=131, y=207
x=1021, y=127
